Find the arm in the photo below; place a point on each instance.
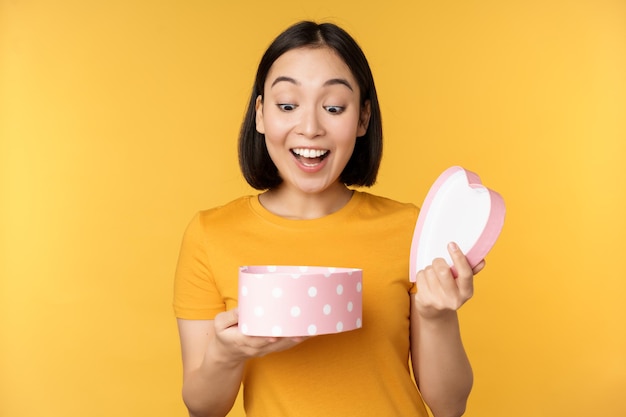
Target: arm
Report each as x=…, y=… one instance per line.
x=441, y=367
x=214, y=354
x=210, y=385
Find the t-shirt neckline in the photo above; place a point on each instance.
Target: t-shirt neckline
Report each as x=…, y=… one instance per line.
x=333, y=218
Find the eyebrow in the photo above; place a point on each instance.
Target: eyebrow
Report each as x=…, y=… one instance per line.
x=332, y=81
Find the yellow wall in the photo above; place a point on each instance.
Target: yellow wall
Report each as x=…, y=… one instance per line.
x=118, y=120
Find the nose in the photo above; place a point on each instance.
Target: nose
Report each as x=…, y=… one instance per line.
x=310, y=123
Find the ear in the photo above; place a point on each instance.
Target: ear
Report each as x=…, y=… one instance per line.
x=364, y=119
x=260, y=126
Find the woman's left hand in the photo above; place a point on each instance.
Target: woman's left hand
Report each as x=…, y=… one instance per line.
x=438, y=291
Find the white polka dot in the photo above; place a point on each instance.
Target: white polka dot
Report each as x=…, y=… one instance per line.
x=312, y=329
x=350, y=306
x=271, y=268
x=295, y=276
x=359, y=286
x=358, y=323
x=258, y=311
x=327, y=309
x=277, y=292
x=312, y=291
x=339, y=326
x=277, y=331
x=304, y=268
x=339, y=289
x=295, y=311
x=244, y=328
x=244, y=290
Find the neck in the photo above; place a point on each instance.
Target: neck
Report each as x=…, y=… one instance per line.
x=305, y=206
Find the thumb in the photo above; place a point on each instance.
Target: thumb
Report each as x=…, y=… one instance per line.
x=227, y=318
x=464, y=275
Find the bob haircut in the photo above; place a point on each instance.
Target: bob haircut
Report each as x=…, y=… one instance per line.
x=362, y=168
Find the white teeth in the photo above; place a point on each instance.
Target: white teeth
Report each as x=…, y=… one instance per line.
x=309, y=153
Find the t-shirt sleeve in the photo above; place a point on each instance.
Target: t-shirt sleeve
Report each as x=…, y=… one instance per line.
x=196, y=296
x=413, y=287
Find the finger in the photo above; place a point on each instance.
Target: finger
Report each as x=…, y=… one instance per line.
x=299, y=339
x=422, y=280
x=459, y=260
x=445, y=277
x=227, y=319
x=465, y=276
x=432, y=290
x=479, y=267
x=264, y=345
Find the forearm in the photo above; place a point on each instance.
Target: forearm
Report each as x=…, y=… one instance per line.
x=443, y=371
x=211, y=389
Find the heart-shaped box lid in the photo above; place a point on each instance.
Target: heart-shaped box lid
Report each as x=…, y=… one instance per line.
x=457, y=208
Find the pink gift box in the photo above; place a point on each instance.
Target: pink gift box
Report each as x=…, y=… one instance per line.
x=299, y=300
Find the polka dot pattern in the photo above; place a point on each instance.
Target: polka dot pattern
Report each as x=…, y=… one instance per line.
x=299, y=300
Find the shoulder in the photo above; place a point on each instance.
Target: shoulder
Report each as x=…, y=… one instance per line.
x=223, y=212
x=378, y=205
x=213, y=219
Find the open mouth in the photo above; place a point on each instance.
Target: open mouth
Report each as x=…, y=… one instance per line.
x=310, y=157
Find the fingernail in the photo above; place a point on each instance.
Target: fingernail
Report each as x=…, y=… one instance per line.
x=453, y=246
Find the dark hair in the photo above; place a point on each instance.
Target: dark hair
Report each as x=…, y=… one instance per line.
x=362, y=168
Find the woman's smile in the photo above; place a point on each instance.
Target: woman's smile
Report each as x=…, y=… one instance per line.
x=310, y=158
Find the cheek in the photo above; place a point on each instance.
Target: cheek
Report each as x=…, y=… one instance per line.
x=276, y=126
x=345, y=130
x=275, y=136
x=274, y=149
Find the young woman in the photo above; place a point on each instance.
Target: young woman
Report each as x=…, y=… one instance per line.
x=312, y=129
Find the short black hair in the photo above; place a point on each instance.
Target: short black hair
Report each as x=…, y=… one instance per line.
x=361, y=170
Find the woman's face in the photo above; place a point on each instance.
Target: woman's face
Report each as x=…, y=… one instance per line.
x=311, y=117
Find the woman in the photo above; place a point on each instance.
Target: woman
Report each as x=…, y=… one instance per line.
x=312, y=129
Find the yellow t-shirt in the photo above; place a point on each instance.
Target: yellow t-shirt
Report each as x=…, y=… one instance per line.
x=363, y=372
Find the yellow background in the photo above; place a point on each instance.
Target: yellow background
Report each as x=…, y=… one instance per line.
x=118, y=120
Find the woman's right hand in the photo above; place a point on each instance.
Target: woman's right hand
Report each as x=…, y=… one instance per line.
x=214, y=353
x=232, y=346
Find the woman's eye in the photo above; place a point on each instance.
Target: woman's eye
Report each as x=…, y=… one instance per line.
x=286, y=106
x=334, y=109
